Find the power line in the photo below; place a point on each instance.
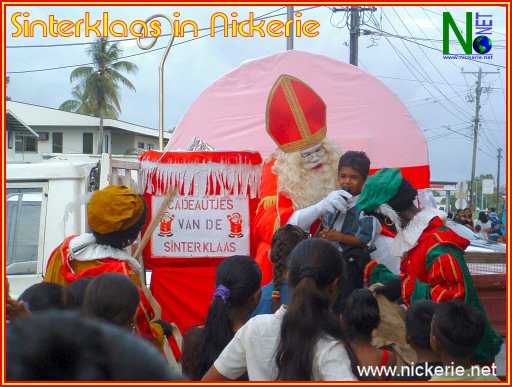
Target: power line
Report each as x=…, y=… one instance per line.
x=459, y=21
x=426, y=75
x=405, y=62
x=431, y=48
x=435, y=67
x=437, y=137
x=425, y=101
x=129, y=39
x=148, y=51
x=444, y=126
x=414, y=80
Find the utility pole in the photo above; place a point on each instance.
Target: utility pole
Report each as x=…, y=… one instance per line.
x=289, y=39
x=478, y=92
x=354, y=35
x=498, y=181
x=353, y=28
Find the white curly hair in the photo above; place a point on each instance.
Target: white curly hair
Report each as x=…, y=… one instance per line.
x=306, y=187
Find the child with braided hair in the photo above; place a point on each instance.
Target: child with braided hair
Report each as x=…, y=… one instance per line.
x=276, y=292
x=237, y=292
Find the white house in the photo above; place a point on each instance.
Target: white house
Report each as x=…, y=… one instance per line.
x=34, y=132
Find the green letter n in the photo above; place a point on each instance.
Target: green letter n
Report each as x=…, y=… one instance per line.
x=449, y=22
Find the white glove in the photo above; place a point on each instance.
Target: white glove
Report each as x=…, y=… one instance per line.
x=338, y=200
x=334, y=201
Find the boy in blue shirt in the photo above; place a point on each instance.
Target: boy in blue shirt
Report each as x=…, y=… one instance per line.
x=354, y=231
x=496, y=230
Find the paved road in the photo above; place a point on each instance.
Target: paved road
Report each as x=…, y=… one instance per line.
x=501, y=367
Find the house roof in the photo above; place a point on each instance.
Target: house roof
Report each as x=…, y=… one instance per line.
x=15, y=124
x=34, y=115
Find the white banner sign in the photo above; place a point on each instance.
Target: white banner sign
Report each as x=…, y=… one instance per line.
x=201, y=227
x=487, y=186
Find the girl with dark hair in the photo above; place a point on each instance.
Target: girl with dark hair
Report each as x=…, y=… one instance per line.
x=468, y=218
x=276, y=293
x=64, y=346
x=484, y=223
x=301, y=341
x=112, y=297
x=46, y=296
x=433, y=265
x=78, y=289
x=360, y=317
x=237, y=293
x=459, y=216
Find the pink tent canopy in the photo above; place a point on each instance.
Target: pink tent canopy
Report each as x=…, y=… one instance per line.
x=362, y=113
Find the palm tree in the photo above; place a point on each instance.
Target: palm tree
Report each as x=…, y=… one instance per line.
x=99, y=84
x=83, y=105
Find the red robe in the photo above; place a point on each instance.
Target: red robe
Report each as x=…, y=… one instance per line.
x=274, y=211
x=435, y=270
x=62, y=270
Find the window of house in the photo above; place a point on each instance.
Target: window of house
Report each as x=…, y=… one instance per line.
x=10, y=139
x=87, y=144
x=140, y=145
x=23, y=229
x=43, y=136
x=151, y=146
x=26, y=144
x=57, y=142
x=105, y=144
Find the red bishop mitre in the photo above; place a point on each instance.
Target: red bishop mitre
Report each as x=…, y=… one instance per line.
x=296, y=115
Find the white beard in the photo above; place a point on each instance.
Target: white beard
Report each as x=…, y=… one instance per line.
x=306, y=187
x=316, y=186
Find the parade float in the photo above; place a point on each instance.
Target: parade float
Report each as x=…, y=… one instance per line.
x=217, y=182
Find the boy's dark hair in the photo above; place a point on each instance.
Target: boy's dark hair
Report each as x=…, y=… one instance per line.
x=62, y=345
x=46, y=296
x=356, y=160
x=459, y=327
x=361, y=314
x=418, y=319
x=112, y=297
x=482, y=217
x=478, y=228
x=404, y=197
x=241, y=275
x=450, y=215
x=284, y=240
x=123, y=238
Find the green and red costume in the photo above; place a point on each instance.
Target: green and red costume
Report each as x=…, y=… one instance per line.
x=435, y=269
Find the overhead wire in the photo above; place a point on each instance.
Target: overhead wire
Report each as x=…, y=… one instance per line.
x=129, y=39
x=427, y=57
x=264, y=16
x=431, y=48
x=426, y=76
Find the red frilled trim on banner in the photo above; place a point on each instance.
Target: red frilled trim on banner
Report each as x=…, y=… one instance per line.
x=184, y=157
x=418, y=176
x=202, y=173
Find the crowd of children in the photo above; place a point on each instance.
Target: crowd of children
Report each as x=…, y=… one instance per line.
x=314, y=321
x=318, y=301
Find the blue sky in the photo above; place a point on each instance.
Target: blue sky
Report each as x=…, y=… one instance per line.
x=403, y=52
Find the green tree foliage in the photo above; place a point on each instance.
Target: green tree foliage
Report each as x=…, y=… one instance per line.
x=97, y=92
x=83, y=105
